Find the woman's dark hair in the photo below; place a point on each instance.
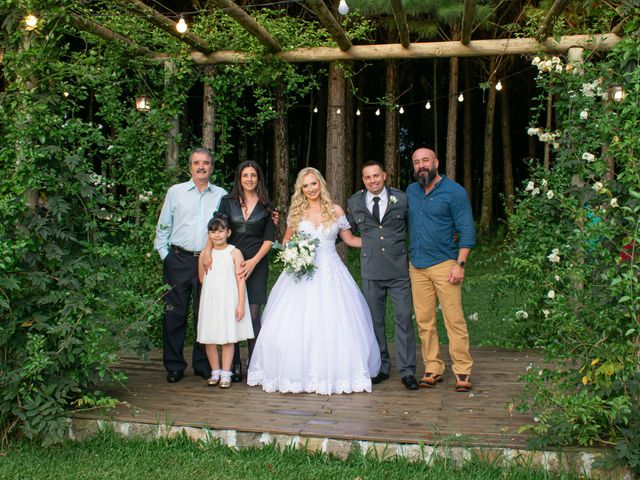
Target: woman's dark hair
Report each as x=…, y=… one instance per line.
x=237, y=193
x=219, y=221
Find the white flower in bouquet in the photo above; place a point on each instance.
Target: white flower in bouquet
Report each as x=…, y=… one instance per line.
x=297, y=255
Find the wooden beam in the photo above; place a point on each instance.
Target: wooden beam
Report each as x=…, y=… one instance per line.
x=164, y=23
x=467, y=20
x=331, y=24
x=556, y=9
x=1, y=55
x=249, y=24
x=87, y=25
x=401, y=22
x=475, y=48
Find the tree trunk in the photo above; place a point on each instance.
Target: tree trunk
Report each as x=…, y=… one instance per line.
x=435, y=106
x=171, y=158
x=486, y=210
x=452, y=119
x=467, y=167
x=336, y=141
x=208, y=111
x=359, y=148
x=348, y=154
x=506, y=153
x=281, y=161
x=391, y=127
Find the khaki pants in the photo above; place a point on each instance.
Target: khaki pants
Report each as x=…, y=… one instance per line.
x=427, y=286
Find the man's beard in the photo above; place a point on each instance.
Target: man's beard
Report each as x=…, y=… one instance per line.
x=423, y=179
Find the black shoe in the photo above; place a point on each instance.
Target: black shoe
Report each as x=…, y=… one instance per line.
x=175, y=376
x=202, y=374
x=410, y=382
x=236, y=372
x=381, y=377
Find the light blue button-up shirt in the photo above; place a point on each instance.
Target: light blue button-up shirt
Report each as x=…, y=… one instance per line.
x=185, y=215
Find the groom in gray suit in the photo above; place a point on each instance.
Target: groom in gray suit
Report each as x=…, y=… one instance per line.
x=380, y=213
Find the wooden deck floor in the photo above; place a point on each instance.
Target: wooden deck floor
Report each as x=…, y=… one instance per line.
x=389, y=414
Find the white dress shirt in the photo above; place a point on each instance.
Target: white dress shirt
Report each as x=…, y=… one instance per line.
x=382, y=204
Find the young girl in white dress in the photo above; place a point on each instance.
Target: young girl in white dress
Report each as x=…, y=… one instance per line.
x=317, y=334
x=224, y=317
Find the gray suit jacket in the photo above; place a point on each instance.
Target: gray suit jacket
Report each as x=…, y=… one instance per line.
x=384, y=249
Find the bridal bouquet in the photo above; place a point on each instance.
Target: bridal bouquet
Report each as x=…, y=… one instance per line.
x=297, y=255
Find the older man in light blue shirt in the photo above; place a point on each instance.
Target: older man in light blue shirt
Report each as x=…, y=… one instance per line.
x=180, y=235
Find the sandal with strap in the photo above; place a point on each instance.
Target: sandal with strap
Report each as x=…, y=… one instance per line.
x=430, y=380
x=463, y=383
x=215, y=378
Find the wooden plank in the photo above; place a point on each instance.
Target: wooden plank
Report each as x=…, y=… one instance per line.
x=87, y=25
x=401, y=22
x=467, y=20
x=475, y=48
x=330, y=23
x=390, y=414
x=249, y=24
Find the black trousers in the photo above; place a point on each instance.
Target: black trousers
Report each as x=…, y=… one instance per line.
x=180, y=271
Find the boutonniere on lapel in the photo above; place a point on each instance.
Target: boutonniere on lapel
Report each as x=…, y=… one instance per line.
x=392, y=200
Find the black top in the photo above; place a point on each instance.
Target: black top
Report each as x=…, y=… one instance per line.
x=248, y=236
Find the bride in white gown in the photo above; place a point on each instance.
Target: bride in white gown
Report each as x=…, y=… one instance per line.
x=316, y=333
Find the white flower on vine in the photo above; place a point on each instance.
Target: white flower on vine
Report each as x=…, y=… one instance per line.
x=536, y=60
x=473, y=317
x=614, y=202
x=550, y=194
x=522, y=314
x=557, y=278
x=584, y=115
x=559, y=68
x=551, y=294
x=535, y=191
x=543, y=182
x=546, y=313
x=589, y=157
x=597, y=186
x=554, y=256
x=531, y=131
x=529, y=186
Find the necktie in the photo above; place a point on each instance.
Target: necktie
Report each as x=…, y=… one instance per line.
x=376, y=209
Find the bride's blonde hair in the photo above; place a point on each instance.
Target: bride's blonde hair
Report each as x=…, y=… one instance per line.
x=300, y=204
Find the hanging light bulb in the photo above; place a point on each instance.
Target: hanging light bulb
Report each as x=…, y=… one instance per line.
x=315, y=109
x=428, y=105
x=378, y=112
x=339, y=111
x=358, y=112
x=499, y=85
x=461, y=98
x=30, y=22
x=181, y=26
x=343, y=8
x=401, y=110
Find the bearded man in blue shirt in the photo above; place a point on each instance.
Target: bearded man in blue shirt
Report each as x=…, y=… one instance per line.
x=181, y=234
x=441, y=235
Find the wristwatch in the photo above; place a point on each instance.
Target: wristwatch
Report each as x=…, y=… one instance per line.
x=461, y=264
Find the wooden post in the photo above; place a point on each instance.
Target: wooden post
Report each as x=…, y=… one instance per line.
x=208, y=111
x=506, y=152
x=171, y=158
x=486, y=211
x=452, y=120
x=391, y=126
x=467, y=159
x=281, y=159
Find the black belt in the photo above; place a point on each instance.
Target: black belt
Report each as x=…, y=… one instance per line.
x=177, y=249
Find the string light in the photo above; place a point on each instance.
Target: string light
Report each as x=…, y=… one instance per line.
x=461, y=98
x=401, y=110
x=181, y=26
x=378, y=112
x=499, y=85
x=338, y=111
x=31, y=22
x=358, y=112
x=315, y=109
x=343, y=8
x=428, y=105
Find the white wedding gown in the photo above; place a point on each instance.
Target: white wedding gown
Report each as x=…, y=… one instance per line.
x=316, y=333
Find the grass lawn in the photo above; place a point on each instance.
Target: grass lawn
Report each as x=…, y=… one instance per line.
x=110, y=457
